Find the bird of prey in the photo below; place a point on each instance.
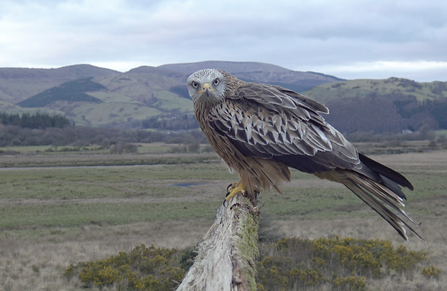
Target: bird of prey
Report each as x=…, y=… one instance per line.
x=261, y=130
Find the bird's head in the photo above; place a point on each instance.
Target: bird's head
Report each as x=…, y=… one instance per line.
x=207, y=86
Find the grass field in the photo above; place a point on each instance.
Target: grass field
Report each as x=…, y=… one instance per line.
x=53, y=217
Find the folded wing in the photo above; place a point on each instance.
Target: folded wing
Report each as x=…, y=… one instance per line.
x=275, y=123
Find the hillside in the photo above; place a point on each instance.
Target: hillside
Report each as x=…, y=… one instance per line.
x=157, y=98
x=389, y=105
x=72, y=91
x=122, y=100
x=98, y=97
x=18, y=84
x=369, y=87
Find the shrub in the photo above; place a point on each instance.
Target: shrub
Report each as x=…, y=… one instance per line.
x=178, y=149
x=346, y=264
x=288, y=264
x=349, y=283
x=431, y=272
x=193, y=147
x=143, y=268
x=124, y=148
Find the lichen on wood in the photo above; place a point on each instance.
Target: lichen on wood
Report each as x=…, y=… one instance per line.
x=226, y=257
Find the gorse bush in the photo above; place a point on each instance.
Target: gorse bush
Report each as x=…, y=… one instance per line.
x=431, y=272
x=288, y=264
x=346, y=264
x=143, y=268
x=372, y=258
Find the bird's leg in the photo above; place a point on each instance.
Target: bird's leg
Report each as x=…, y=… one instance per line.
x=233, y=189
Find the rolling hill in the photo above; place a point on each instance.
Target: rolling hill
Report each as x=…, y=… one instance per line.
x=99, y=97
x=94, y=96
x=389, y=105
x=72, y=91
x=18, y=84
x=370, y=87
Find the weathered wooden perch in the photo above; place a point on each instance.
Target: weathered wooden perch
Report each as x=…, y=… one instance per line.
x=226, y=258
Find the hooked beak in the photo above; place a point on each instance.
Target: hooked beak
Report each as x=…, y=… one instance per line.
x=206, y=87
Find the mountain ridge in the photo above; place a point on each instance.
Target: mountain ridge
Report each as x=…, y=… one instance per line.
x=128, y=97
x=159, y=94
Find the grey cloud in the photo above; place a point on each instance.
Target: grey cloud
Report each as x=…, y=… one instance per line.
x=294, y=34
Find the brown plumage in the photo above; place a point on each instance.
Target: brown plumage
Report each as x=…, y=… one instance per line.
x=261, y=130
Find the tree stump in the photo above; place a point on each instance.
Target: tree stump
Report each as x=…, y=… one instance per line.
x=226, y=257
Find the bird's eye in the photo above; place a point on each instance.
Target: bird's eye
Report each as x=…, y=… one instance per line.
x=194, y=84
x=216, y=82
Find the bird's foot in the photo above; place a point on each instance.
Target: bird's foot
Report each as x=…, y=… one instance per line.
x=233, y=189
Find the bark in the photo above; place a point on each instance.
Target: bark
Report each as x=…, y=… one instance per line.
x=227, y=256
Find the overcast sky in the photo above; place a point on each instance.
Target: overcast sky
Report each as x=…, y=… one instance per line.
x=345, y=38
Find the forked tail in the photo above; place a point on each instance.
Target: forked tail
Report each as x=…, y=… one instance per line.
x=381, y=199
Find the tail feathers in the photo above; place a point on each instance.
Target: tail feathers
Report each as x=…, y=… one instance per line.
x=380, y=197
x=384, y=171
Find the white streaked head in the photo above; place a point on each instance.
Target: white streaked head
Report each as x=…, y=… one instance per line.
x=207, y=86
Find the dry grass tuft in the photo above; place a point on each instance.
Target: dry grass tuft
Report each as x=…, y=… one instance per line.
x=38, y=261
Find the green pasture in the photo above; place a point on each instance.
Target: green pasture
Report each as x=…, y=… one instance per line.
x=23, y=217
x=43, y=198
x=440, y=132
x=169, y=101
x=27, y=149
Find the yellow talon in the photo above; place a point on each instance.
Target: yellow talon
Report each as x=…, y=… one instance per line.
x=234, y=189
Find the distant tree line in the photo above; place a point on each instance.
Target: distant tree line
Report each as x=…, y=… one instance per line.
x=387, y=113
x=172, y=121
x=437, y=108
x=14, y=135
x=36, y=120
x=371, y=118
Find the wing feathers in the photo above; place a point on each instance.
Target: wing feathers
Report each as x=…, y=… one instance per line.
x=274, y=123
x=255, y=125
x=275, y=95
x=310, y=102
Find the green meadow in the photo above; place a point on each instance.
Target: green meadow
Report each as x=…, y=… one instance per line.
x=56, y=213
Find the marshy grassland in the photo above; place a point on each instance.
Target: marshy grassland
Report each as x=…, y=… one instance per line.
x=57, y=209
